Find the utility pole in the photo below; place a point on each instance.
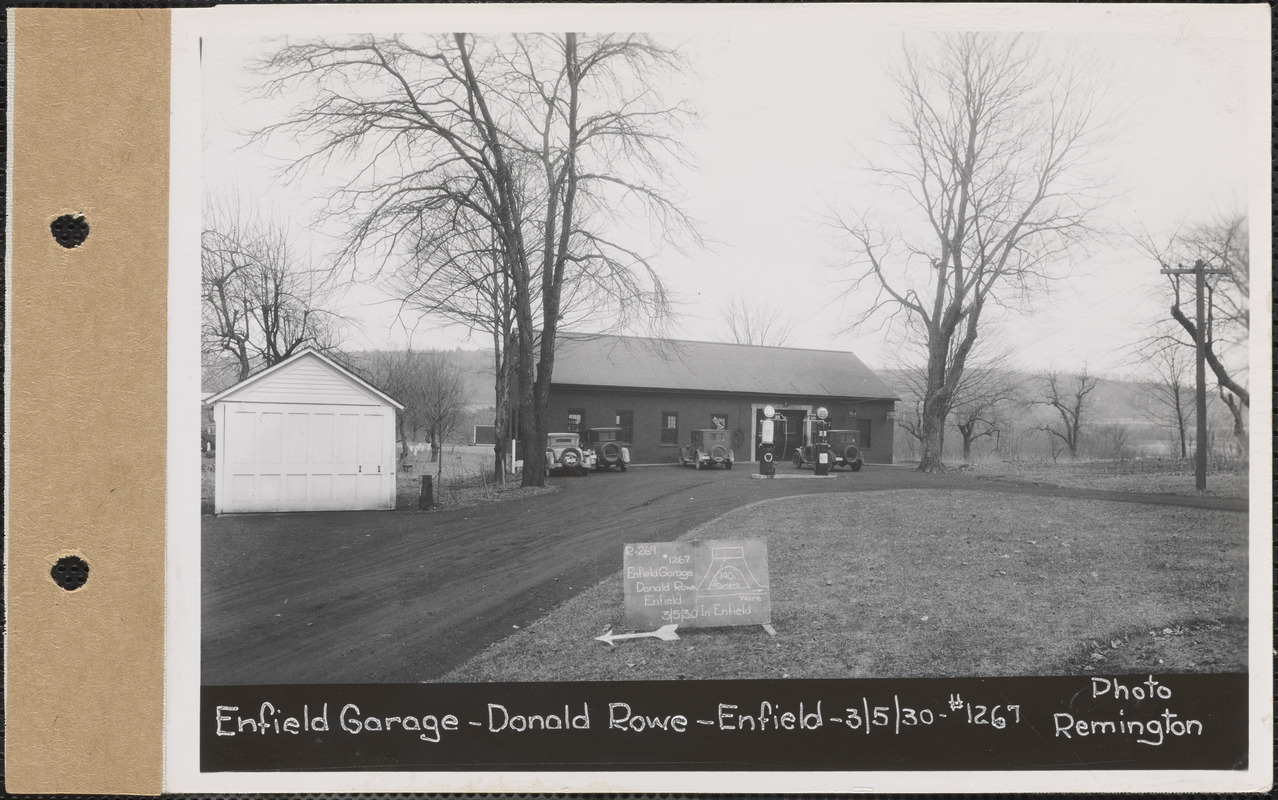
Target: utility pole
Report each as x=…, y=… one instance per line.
x=1200, y=273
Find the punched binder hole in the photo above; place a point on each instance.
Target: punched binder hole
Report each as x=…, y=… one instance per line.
x=70, y=231
x=70, y=572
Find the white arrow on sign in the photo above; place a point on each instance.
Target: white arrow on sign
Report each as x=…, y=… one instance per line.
x=665, y=633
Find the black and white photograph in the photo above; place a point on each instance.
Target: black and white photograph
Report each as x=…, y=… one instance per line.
x=744, y=396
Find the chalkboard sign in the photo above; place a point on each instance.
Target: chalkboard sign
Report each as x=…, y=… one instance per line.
x=699, y=584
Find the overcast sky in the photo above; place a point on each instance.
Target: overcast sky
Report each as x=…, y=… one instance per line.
x=793, y=104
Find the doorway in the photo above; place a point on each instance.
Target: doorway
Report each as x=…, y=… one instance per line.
x=787, y=436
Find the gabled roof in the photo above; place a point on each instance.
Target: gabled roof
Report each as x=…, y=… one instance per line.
x=639, y=363
x=293, y=359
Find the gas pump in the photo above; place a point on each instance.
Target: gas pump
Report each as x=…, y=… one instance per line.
x=767, y=443
x=821, y=442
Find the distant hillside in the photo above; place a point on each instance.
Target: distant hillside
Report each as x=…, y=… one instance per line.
x=1113, y=400
x=1121, y=421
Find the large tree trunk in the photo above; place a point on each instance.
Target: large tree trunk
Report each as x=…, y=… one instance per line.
x=933, y=436
x=936, y=403
x=502, y=348
x=532, y=431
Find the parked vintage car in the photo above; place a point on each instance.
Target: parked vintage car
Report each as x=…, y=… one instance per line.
x=609, y=448
x=846, y=448
x=844, y=451
x=564, y=452
x=707, y=448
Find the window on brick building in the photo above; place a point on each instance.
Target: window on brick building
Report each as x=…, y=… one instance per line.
x=670, y=427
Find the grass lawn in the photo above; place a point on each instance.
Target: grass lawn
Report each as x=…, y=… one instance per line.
x=933, y=583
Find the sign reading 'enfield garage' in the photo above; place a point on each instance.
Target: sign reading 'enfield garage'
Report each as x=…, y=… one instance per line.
x=695, y=584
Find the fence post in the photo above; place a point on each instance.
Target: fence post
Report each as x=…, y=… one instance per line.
x=426, y=499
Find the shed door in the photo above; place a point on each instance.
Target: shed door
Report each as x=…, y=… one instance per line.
x=306, y=458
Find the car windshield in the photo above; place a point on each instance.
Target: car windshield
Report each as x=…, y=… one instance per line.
x=563, y=440
x=715, y=437
x=843, y=437
x=604, y=436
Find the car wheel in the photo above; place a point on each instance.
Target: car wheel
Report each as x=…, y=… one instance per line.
x=727, y=465
x=856, y=466
x=623, y=466
x=798, y=460
x=610, y=452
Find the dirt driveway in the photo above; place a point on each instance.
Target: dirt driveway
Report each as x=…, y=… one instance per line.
x=405, y=596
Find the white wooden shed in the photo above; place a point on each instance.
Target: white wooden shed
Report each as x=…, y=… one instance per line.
x=304, y=435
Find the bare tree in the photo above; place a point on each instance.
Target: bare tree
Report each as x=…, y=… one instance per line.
x=1221, y=243
x=755, y=324
x=398, y=374
x=1068, y=396
x=1113, y=439
x=1170, y=395
x=984, y=412
x=993, y=159
x=979, y=406
x=440, y=400
x=261, y=305
x=456, y=276
x=531, y=144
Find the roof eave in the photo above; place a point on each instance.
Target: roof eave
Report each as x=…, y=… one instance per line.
x=252, y=379
x=655, y=389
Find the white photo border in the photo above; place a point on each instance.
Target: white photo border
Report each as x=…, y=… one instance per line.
x=1247, y=25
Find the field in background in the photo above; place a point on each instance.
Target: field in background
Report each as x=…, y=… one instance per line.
x=1225, y=478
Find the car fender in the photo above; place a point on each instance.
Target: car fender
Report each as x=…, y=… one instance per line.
x=625, y=455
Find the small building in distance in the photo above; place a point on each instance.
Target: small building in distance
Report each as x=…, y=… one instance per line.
x=659, y=390
x=304, y=435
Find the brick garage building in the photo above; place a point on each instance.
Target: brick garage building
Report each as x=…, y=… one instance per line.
x=660, y=390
